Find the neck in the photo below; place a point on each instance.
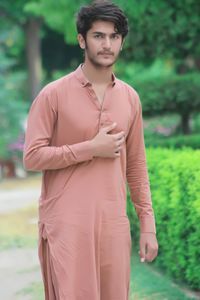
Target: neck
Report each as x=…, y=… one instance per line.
x=97, y=75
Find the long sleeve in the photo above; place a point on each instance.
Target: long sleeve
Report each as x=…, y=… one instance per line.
x=137, y=173
x=38, y=153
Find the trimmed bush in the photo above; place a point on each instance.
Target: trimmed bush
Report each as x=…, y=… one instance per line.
x=178, y=141
x=175, y=187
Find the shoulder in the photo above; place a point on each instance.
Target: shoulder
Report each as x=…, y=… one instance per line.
x=48, y=95
x=51, y=88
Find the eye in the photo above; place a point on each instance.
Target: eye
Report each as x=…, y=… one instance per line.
x=115, y=36
x=97, y=36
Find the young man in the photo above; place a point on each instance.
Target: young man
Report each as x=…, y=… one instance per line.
x=85, y=133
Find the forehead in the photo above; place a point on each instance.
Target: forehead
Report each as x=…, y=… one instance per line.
x=103, y=26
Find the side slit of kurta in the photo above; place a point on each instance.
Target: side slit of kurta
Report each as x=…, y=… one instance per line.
x=49, y=286
x=49, y=275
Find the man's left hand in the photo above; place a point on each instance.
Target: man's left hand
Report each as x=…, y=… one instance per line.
x=148, y=246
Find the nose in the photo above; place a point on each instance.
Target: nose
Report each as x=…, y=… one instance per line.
x=107, y=43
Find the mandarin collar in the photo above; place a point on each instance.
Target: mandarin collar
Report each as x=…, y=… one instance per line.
x=83, y=79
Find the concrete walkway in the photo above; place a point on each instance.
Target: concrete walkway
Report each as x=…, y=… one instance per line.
x=11, y=200
x=19, y=268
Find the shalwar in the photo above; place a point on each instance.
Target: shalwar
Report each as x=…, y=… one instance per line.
x=84, y=243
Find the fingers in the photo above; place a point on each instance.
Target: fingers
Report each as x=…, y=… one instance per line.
x=142, y=258
x=117, y=139
x=142, y=250
x=109, y=128
x=152, y=252
x=117, y=135
x=119, y=146
x=148, y=251
x=117, y=154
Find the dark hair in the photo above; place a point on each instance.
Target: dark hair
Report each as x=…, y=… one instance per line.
x=101, y=10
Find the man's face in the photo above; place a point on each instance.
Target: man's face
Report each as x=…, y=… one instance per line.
x=102, y=44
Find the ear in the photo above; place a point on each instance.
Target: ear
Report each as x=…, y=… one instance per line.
x=122, y=45
x=81, y=41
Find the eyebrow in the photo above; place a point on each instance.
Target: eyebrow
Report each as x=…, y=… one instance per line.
x=99, y=32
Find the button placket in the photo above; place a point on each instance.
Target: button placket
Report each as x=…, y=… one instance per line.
x=94, y=97
x=104, y=119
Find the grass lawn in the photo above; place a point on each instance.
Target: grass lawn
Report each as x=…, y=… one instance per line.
x=34, y=291
x=148, y=284
x=19, y=229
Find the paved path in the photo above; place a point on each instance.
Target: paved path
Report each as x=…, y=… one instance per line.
x=18, y=269
x=11, y=200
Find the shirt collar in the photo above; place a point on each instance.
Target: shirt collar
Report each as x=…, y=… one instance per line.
x=83, y=79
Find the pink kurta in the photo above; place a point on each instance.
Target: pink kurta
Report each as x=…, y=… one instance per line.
x=84, y=232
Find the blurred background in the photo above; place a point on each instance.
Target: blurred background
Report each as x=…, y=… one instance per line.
x=161, y=60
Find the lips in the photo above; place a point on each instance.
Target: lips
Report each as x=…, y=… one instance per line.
x=105, y=54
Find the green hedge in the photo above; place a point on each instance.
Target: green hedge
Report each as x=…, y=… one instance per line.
x=178, y=141
x=175, y=187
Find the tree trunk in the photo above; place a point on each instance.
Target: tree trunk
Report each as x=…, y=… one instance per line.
x=185, y=123
x=33, y=54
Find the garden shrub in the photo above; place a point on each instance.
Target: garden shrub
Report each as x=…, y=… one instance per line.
x=178, y=141
x=175, y=187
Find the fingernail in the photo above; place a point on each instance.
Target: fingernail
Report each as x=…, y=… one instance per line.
x=142, y=259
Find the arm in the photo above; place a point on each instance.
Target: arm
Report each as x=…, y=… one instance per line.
x=137, y=174
x=38, y=154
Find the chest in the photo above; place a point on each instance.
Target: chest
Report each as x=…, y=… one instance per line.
x=82, y=112
x=99, y=92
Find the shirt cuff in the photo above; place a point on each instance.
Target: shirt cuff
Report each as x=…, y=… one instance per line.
x=82, y=151
x=147, y=225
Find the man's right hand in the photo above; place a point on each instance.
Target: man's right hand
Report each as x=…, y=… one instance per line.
x=108, y=145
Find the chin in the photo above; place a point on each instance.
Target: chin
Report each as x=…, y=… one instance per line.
x=105, y=64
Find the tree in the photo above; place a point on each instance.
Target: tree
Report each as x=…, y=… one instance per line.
x=14, y=13
x=163, y=91
x=12, y=107
x=168, y=29
x=30, y=15
x=58, y=15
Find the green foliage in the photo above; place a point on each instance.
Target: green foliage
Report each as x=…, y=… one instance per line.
x=58, y=15
x=162, y=29
x=161, y=90
x=157, y=28
x=177, y=93
x=12, y=107
x=178, y=141
x=12, y=112
x=13, y=11
x=175, y=187
x=136, y=73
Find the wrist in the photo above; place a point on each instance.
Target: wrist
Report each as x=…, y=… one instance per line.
x=93, y=147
